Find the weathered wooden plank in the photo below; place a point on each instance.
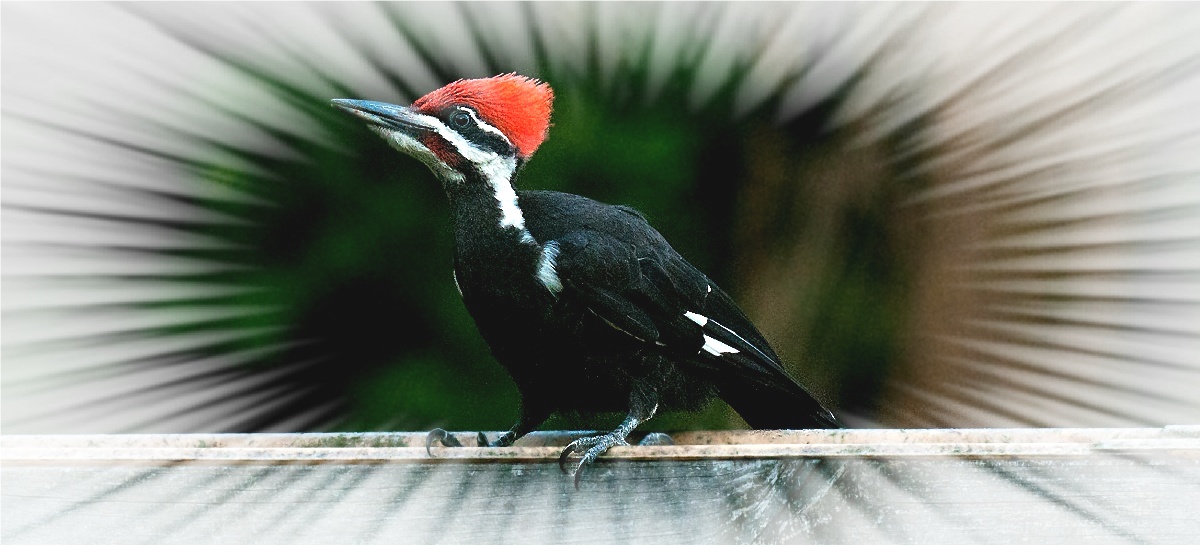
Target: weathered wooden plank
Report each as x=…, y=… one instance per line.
x=856, y=486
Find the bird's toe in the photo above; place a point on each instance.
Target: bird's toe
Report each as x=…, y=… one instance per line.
x=595, y=446
x=565, y=455
x=440, y=436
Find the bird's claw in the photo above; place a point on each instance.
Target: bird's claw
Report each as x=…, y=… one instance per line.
x=595, y=446
x=448, y=440
x=441, y=436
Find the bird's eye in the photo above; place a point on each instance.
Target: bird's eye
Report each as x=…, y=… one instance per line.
x=460, y=119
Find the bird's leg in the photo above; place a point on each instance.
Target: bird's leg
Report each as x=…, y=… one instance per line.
x=642, y=405
x=531, y=417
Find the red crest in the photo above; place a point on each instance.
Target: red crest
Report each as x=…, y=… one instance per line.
x=518, y=106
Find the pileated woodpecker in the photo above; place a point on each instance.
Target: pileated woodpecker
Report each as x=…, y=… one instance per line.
x=584, y=303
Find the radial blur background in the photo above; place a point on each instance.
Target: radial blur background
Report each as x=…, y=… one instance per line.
x=940, y=215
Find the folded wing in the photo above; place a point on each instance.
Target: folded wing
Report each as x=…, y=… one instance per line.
x=644, y=288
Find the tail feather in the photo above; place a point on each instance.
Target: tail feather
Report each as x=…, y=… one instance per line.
x=776, y=404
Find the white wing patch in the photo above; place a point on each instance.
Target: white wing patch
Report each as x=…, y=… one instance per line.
x=716, y=348
x=546, y=273
x=699, y=319
x=711, y=345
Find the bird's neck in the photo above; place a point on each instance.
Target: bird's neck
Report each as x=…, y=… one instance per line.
x=488, y=221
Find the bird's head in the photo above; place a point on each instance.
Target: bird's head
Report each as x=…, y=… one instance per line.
x=472, y=128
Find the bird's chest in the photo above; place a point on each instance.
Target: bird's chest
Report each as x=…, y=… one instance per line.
x=500, y=289
x=500, y=294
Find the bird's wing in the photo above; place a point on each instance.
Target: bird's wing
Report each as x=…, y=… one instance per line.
x=647, y=290
x=613, y=262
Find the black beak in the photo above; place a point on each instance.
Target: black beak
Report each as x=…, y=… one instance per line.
x=382, y=114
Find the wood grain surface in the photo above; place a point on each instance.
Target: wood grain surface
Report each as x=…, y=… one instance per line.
x=853, y=486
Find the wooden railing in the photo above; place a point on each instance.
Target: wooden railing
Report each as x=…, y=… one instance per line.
x=848, y=486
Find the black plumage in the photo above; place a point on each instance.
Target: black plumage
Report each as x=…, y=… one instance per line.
x=584, y=303
x=619, y=323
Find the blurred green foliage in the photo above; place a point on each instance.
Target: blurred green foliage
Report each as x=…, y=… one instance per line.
x=348, y=254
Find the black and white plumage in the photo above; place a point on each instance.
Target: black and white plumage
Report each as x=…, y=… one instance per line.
x=618, y=273
x=584, y=303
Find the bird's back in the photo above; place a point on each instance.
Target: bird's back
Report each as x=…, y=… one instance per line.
x=630, y=276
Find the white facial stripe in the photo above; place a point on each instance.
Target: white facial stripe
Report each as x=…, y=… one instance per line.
x=510, y=213
x=496, y=168
x=460, y=144
x=484, y=126
x=486, y=159
x=546, y=273
x=411, y=146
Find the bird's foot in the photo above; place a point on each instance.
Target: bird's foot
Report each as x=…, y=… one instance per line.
x=444, y=437
x=592, y=448
x=438, y=435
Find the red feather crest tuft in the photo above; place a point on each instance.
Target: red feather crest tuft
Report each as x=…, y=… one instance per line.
x=518, y=106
